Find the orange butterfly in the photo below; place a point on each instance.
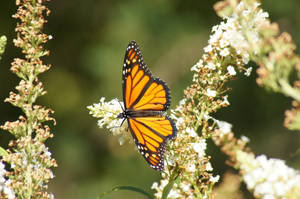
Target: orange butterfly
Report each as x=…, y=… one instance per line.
x=146, y=98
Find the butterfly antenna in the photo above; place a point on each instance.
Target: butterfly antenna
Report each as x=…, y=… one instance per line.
x=120, y=118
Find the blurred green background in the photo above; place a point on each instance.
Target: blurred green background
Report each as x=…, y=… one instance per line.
x=87, y=50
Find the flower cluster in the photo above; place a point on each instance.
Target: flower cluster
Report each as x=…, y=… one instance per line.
x=269, y=178
x=108, y=112
x=28, y=157
x=5, y=190
x=274, y=52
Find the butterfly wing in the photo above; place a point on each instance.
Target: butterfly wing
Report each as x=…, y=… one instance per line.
x=145, y=97
x=141, y=91
x=151, y=135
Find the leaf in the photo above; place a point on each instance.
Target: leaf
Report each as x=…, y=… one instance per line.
x=3, y=152
x=129, y=188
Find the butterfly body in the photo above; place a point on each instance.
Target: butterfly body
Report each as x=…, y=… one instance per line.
x=146, y=99
x=132, y=114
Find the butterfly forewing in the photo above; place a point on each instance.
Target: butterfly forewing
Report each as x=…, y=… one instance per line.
x=141, y=91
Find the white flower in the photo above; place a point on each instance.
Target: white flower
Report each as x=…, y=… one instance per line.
x=224, y=52
x=154, y=185
x=224, y=43
x=208, y=167
x=191, y=132
x=214, y=178
x=211, y=93
x=174, y=194
x=248, y=71
x=268, y=178
x=214, y=28
x=256, y=4
x=200, y=147
x=224, y=127
x=194, y=68
x=210, y=65
x=231, y=70
x=225, y=100
x=246, y=58
x=4, y=184
x=208, y=48
x=245, y=139
x=191, y=168
x=108, y=113
x=185, y=186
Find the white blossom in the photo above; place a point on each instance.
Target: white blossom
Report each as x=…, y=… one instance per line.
x=223, y=127
x=248, y=71
x=231, y=32
x=154, y=185
x=108, y=113
x=268, y=178
x=245, y=139
x=231, y=70
x=4, y=184
x=214, y=179
x=211, y=93
x=225, y=100
x=197, y=66
x=208, y=48
x=191, y=132
x=210, y=65
x=208, y=167
x=200, y=147
x=185, y=186
x=191, y=168
x=246, y=58
x=224, y=52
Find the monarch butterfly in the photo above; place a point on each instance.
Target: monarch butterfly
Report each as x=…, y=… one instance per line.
x=146, y=98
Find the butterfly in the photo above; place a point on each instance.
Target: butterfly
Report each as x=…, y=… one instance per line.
x=146, y=98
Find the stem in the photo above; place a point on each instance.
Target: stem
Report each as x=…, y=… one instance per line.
x=288, y=90
x=197, y=191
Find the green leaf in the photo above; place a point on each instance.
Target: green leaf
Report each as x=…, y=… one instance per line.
x=3, y=152
x=129, y=188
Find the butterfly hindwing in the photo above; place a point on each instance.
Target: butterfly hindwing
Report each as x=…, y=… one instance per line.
x=151, y=135
x=141, y=91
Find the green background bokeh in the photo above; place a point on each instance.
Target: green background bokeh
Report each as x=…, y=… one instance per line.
x=87, y=50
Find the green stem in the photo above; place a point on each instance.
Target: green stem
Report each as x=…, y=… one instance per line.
x=197, y=191
x=288, y=90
